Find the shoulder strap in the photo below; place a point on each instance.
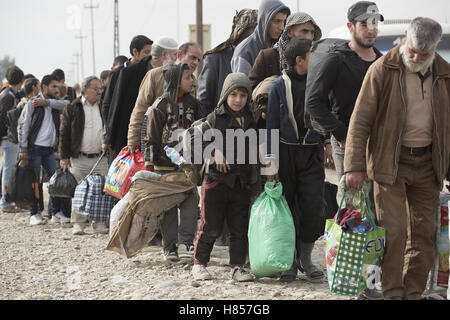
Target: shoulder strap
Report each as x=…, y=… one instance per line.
x=211, y=119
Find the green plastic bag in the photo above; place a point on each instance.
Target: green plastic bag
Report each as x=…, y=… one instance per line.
x=353, y=259
x=271, y=232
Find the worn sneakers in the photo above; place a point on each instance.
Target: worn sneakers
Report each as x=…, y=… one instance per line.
x=78, y=229
x=241, y=275
x=186, y=251
x=59, y=217
x=100, y=227
x=171, y=255
x=36, y=219
x=200, y=273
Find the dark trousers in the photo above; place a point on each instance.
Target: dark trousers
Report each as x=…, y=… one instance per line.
x=302, y=175
x=44, y=156
x=65, y=204
x=220, y=203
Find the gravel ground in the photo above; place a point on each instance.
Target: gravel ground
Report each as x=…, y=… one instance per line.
x=48, y=262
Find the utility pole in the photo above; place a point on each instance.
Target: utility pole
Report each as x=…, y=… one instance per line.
x=199, y=6
x=81, y=37
x=178, y=21
x=77, y=56
x=116, y=28
x=91, y=7
x=73, y=71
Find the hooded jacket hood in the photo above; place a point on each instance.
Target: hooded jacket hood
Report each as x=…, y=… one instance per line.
x=172, y=76
x=294, y=19
x=233, y=81
x=247, y=51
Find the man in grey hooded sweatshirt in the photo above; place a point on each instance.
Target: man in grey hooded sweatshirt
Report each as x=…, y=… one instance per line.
x=272, y=15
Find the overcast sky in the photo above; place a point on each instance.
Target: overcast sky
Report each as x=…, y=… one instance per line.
x=38, y=34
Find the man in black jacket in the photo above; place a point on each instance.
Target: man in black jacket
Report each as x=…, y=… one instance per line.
x=335, y=79
x=140, y=47
x=333, y=83
x=122, y=104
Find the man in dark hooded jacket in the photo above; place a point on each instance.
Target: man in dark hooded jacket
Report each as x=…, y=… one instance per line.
x=272, y=15
x=216, y=62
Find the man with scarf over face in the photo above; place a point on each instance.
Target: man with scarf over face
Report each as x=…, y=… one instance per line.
x=216, y=65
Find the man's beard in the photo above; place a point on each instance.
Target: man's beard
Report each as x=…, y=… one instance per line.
x=48, y=95
x=411, y=66
x=360, y=42
x=168, y=61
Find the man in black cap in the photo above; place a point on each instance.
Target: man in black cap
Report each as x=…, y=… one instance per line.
x=334, y=82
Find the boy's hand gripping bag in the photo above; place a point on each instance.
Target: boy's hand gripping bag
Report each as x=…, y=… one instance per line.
x=271, y=233
x=353, y=259
x=122, y=169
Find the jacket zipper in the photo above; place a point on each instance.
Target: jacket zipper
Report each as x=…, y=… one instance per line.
x=436, y=128
x=403, y=125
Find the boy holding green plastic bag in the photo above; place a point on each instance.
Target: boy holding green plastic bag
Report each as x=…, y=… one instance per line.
x=301, y=170
x=226, y=188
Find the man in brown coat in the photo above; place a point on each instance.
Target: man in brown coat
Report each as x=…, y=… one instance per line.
x=399, y=137
x=81, y=142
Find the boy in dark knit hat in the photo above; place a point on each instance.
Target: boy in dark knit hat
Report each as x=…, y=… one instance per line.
x=227, y=184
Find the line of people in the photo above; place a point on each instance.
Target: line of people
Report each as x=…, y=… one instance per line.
x=372, y=116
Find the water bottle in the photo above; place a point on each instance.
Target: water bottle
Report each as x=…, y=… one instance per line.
x=174, y=155
x=364, y=227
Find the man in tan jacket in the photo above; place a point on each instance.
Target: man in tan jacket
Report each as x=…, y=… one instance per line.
x=152, y=87
x=399, y=137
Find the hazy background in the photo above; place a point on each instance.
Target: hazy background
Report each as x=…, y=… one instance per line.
x=37, y=33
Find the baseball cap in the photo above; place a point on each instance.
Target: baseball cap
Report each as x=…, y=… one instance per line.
x=363, y=10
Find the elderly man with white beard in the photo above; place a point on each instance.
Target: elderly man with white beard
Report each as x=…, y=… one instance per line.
x=399, y=137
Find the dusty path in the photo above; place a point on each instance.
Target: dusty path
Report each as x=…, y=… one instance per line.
x=48, y=262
